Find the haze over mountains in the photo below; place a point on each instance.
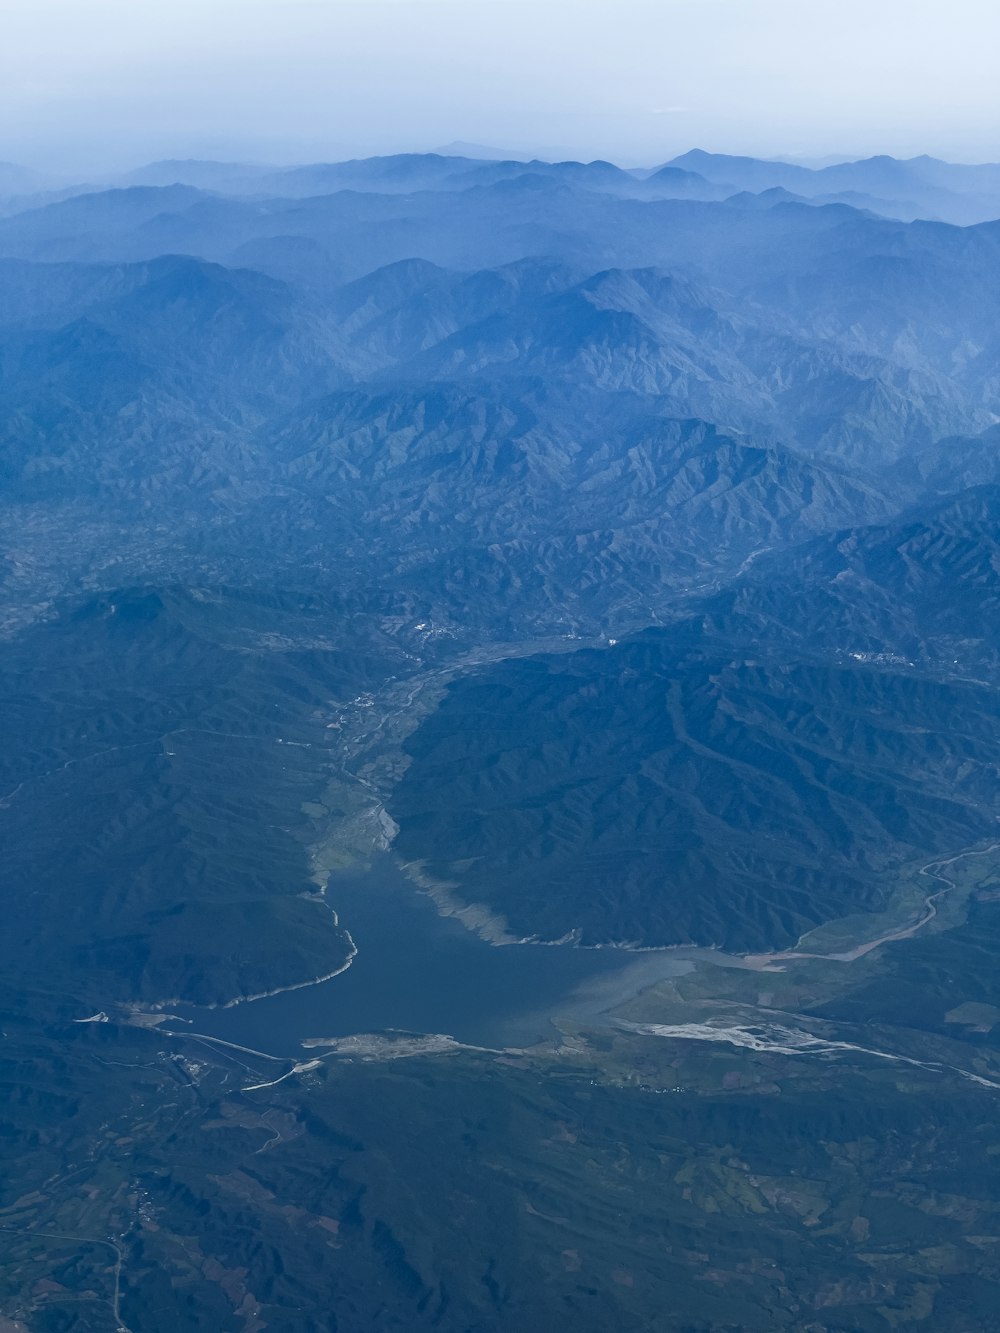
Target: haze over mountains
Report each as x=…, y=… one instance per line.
x=507, y=423
x=618, y=550
x=517, y=400
x=919, y=187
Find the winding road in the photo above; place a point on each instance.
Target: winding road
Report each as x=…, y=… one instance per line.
x=115, y=1300
x=764, y=961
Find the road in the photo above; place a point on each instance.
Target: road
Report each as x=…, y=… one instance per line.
x=115, y=1301
x=764, y=961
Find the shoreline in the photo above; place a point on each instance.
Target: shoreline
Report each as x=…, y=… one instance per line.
x=588, y=1000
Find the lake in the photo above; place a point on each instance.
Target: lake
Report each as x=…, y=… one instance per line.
x=417, y=971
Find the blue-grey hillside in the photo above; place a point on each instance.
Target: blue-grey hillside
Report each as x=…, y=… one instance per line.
x=915, y=187
x=619, y=552
x=482, y=406
x=772, y=759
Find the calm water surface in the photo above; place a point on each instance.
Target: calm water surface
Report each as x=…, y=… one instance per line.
x=417, y=971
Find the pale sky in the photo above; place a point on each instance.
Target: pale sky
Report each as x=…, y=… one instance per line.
x=94, y=84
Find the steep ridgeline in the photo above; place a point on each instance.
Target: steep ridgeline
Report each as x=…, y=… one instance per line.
x=923, y=590
x=508, y=514
x=757, y=768
x=625, y=545
x=653, y=794
x=466, y=404
x=868, y=341
x=921, y=187
x=912, y=188
x=160, y=746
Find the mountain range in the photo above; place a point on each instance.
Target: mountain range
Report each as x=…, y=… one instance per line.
x=617, y=553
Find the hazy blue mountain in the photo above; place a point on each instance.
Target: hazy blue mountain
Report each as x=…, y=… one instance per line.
x=747, y=173
x=683, y=184
x=953, y=464
x=436, y=482
x=407, y=172
x=916, y=187
x=117, y=373
x=720, y=358
x=777, y=194
x=18, y=181
x=618, y=552
x=153, y=363
x=400, y=172
x=218, y=177
x=482, y=225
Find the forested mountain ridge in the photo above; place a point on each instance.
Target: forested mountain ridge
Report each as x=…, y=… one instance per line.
x=607, y=559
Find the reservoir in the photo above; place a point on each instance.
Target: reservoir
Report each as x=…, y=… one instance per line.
x=417, y=971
